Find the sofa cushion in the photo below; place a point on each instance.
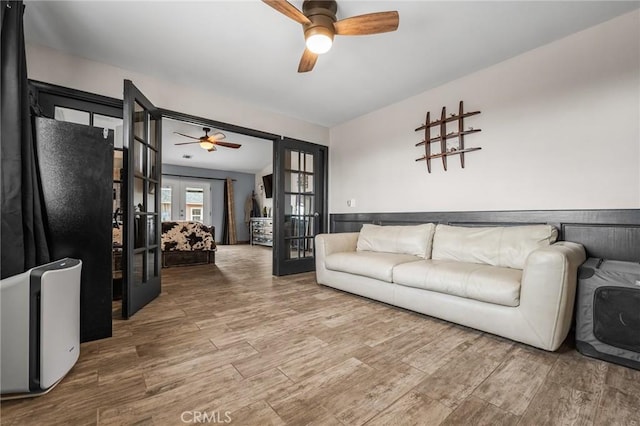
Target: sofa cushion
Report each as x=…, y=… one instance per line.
x=505, y=246
x=367, y=263
x=414, y=239
x=485, y=283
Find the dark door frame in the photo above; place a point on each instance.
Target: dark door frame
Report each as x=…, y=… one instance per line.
x=282, y=266
x=141, y=245
x=205, y=122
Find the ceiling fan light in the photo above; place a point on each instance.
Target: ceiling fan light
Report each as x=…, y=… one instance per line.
x=319, y=43
x=206, y=145
x=319, y=37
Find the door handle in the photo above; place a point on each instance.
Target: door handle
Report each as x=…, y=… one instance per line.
x=316, y=214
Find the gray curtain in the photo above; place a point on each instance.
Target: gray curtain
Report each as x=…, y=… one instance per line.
x=225, y=217
x=23, y=236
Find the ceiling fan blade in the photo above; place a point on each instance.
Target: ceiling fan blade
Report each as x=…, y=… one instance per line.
x=186, y=143
x=308, y=61
x=216, y=137
x=186, y=136
x=289, y=10
x=371, y=23
x=228, y=144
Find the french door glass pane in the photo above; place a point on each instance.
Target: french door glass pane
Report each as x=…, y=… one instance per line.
x=291, y=249
x=138, y=268
x=308, y=163
x=117, y=164
x=138, y=194
x=294, y=160
x=297, y=182
x=138, y=231
x=309, y=226
x=151, y=198
x=151, y=229
x=308, y=247
x=153, y=139
x=299, y=226
x=138, y=158
x=289, y=179
x=308, y=205
x=139, y=115
x=151, y=264
x=152, y=170
x=291, y=205
x=308, y=183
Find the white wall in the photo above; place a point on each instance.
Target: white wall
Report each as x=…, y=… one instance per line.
x=52, y=66
x=263, y=201
x=560, y=130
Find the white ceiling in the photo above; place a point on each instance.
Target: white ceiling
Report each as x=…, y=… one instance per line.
x=252, y=157
x=247, y=50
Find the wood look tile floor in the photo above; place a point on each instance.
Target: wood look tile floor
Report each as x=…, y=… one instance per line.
x=230, y=343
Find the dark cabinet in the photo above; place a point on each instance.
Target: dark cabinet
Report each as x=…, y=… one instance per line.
x=76, y=171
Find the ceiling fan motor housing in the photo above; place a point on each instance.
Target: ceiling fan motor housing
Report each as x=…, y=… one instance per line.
x=322, y=15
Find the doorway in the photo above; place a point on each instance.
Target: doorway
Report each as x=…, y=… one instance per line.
x=187, y=164
x=95, y=110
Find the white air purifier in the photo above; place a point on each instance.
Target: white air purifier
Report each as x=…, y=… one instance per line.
x=40, y=326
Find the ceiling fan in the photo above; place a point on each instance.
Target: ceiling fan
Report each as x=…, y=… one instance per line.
x=318, y=19
x=209, y=142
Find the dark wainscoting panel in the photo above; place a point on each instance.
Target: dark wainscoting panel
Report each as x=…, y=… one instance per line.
x=617, y=242
x=610, y=234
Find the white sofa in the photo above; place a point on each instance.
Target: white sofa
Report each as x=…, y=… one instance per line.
x=516, y=282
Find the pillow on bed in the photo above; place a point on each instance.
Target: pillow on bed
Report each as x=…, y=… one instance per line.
x=413, y=239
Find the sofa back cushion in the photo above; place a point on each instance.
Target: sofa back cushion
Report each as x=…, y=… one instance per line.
x=414, y=239
x=505, y=246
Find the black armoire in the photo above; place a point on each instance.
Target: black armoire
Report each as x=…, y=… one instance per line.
x=76, y=170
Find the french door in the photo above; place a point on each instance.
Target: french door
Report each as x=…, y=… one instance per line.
x=186, y=200
x=141, y=237
x=300, y=172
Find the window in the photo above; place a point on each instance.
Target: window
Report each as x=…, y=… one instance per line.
x=195, y=214
x=72, y=115
x=194, y=198
x=91, y=119
x=79, y=107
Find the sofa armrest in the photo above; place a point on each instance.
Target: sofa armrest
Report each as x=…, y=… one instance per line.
x=548, y=291
x=327, y=244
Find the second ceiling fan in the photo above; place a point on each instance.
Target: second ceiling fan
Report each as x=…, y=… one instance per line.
x=318, y=19
x=209, y=142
